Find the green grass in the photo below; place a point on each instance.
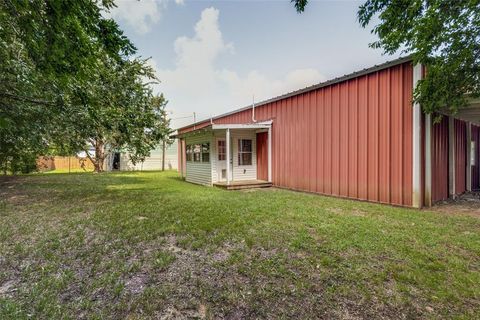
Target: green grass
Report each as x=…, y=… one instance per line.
x=150, y=245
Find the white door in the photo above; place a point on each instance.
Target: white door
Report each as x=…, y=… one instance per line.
x=222, y=161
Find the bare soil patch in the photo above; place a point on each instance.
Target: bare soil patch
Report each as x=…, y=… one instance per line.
x=467, y=203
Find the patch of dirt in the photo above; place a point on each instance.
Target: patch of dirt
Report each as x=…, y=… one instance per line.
x=137, y=283
x=467, y=203
x=172, y=313
x=7, y=287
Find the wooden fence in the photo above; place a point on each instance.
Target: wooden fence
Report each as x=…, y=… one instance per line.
x=64, y=164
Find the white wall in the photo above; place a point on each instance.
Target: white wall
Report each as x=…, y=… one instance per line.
x=154, y=161
x=239, y=173
x=200, y=172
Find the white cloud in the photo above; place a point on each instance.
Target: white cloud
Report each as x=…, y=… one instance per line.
x=197, y=84
x=141, y=15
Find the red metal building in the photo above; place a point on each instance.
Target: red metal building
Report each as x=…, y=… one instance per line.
x=358, y=136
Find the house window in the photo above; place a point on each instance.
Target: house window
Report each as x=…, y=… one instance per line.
x=198, y=152
x=206, y=152
x=197, y=156
x=189, y=150
x=244, y=152
x=222, y=154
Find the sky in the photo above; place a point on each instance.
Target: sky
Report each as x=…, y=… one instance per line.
x=212, y=57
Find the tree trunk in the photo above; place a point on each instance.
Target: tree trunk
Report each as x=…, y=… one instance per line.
x=163, y=155
x=99, y=156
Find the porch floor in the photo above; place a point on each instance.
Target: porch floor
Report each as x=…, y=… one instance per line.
x=244, y=184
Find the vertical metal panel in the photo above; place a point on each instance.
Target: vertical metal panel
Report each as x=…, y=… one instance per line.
x=328, y=141
x=312, y=134
x=320, y=132
x=384, y=139
x=335, y=136
x=344, y=139
x=407, y=137
x=460, y=156
x=373, y=133
x=351, y=139
x=396, y=141
x=363, y=137
x=440, y=160
x=262, y=156
x=476, y=165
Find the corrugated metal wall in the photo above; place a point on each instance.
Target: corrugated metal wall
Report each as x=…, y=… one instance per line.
x=460, y=156
x=476, y=165
x=440, y=160
x=351, y=139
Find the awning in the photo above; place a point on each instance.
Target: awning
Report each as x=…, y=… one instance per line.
x=469, y=113
x=232, y=126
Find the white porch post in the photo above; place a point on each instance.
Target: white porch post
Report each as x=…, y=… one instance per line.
x=451, y=156
x=428, y=160
x=270, y=154
x=227, y=143
x=417, y=146
x=469, y=156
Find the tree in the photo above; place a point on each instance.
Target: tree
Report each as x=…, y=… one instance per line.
x=444, y=35
x=60, y=63
x=117, y=112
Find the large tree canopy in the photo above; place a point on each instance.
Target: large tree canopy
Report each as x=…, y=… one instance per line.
x=65, y=72
x=444, y=35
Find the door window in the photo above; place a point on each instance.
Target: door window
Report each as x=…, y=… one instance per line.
x=222, y=154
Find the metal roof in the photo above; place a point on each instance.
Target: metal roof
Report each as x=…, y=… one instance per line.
x=349, y=76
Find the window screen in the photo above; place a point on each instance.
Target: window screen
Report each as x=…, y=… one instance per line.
x=197, y=157
x=244, y=152
x=189, y=150
x=206, y=152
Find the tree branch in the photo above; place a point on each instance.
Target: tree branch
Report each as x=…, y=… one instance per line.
x=26, y=99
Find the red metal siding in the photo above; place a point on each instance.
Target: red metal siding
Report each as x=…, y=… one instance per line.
x=460, y=156
x=440, y=160
x=262, y=156
x=351, y=139
x=476, y=165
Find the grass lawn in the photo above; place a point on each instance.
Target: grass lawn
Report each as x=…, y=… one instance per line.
x=150, y=245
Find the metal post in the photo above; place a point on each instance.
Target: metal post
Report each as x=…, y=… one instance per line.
x=417, y=146
x=469, y=156
x=227, y=142
x=270, y=154
x=451, y=157
x=428, y=160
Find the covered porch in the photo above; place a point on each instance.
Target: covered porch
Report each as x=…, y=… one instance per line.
x=245, y=184
x=231, y=156
x=452, y=157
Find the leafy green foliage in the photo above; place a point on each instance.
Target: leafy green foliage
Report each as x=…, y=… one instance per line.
x=299, y=5
x=63, y=66
x=443, y=35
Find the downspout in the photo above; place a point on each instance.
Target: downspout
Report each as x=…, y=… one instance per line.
x=253, y=109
